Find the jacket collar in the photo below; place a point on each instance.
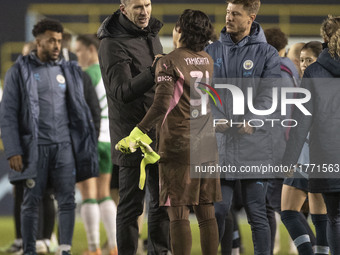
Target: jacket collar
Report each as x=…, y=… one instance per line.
x=256, y=36
x=118, y=25
x=131, y=28
x=33, y=56
x=330, y=64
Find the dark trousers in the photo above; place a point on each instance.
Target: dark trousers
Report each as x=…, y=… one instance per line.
x=332, y=201
x=254, y=199
x=46, y=212
x=130, y=207
x=231, y=238
x=273, y=204
x=55, y=167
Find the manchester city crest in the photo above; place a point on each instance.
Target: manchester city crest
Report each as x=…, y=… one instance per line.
x=248, y=64
x=30, y=183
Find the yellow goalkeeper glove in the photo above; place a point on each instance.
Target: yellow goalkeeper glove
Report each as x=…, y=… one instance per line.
x=130, y=144
x=150, y=157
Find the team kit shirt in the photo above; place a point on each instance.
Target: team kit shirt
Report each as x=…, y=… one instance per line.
x=183, y=127
x=104, y=145
x=96, y=78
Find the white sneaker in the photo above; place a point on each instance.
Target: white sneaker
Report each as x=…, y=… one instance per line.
x=63, y=250
x=41, y=247
x=53, y=246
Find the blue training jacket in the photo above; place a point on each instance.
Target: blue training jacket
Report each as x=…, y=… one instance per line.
x=19, y=116
x=251, y=58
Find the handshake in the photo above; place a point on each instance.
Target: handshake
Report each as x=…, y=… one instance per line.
x=137, y=139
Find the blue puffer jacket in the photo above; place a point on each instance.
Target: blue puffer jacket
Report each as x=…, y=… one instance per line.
x=244, y=63
x=19, y=116
x=322, y=79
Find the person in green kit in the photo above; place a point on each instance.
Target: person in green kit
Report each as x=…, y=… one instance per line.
x=97, y=202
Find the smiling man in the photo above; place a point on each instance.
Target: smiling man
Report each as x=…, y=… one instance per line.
x=45, y=124
x=129, y=44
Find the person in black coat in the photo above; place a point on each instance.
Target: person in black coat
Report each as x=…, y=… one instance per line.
x=129, y=45
x=295, y=189
x=321, y=79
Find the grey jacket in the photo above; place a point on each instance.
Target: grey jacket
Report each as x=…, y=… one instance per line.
x=19, y=116
x=244, y=64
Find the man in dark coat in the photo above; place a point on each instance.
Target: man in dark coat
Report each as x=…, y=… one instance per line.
x=47, y=131
x=129, y=44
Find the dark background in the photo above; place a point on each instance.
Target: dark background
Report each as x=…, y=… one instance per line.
x=12, y=13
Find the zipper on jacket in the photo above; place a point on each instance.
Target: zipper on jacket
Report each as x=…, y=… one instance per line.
x=52, y=100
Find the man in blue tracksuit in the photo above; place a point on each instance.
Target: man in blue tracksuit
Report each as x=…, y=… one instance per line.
x=47, y=131
x=242, y=55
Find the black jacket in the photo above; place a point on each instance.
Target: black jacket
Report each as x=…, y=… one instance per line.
x=322, y=79
x=125, y=55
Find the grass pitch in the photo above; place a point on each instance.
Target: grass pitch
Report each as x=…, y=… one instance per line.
x=80, y=243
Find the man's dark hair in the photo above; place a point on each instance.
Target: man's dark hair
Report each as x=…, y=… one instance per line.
x=276, y=38
x=47, y=24
x=196, y=29
x=88, y=40
x=251, y=6
x=314, y=46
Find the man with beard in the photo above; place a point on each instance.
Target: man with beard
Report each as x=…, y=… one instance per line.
x=47, y=132
x=240, y=56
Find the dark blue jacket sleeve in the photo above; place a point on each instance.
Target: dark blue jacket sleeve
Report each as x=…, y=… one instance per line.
x=10, y=112
x=298, y=134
